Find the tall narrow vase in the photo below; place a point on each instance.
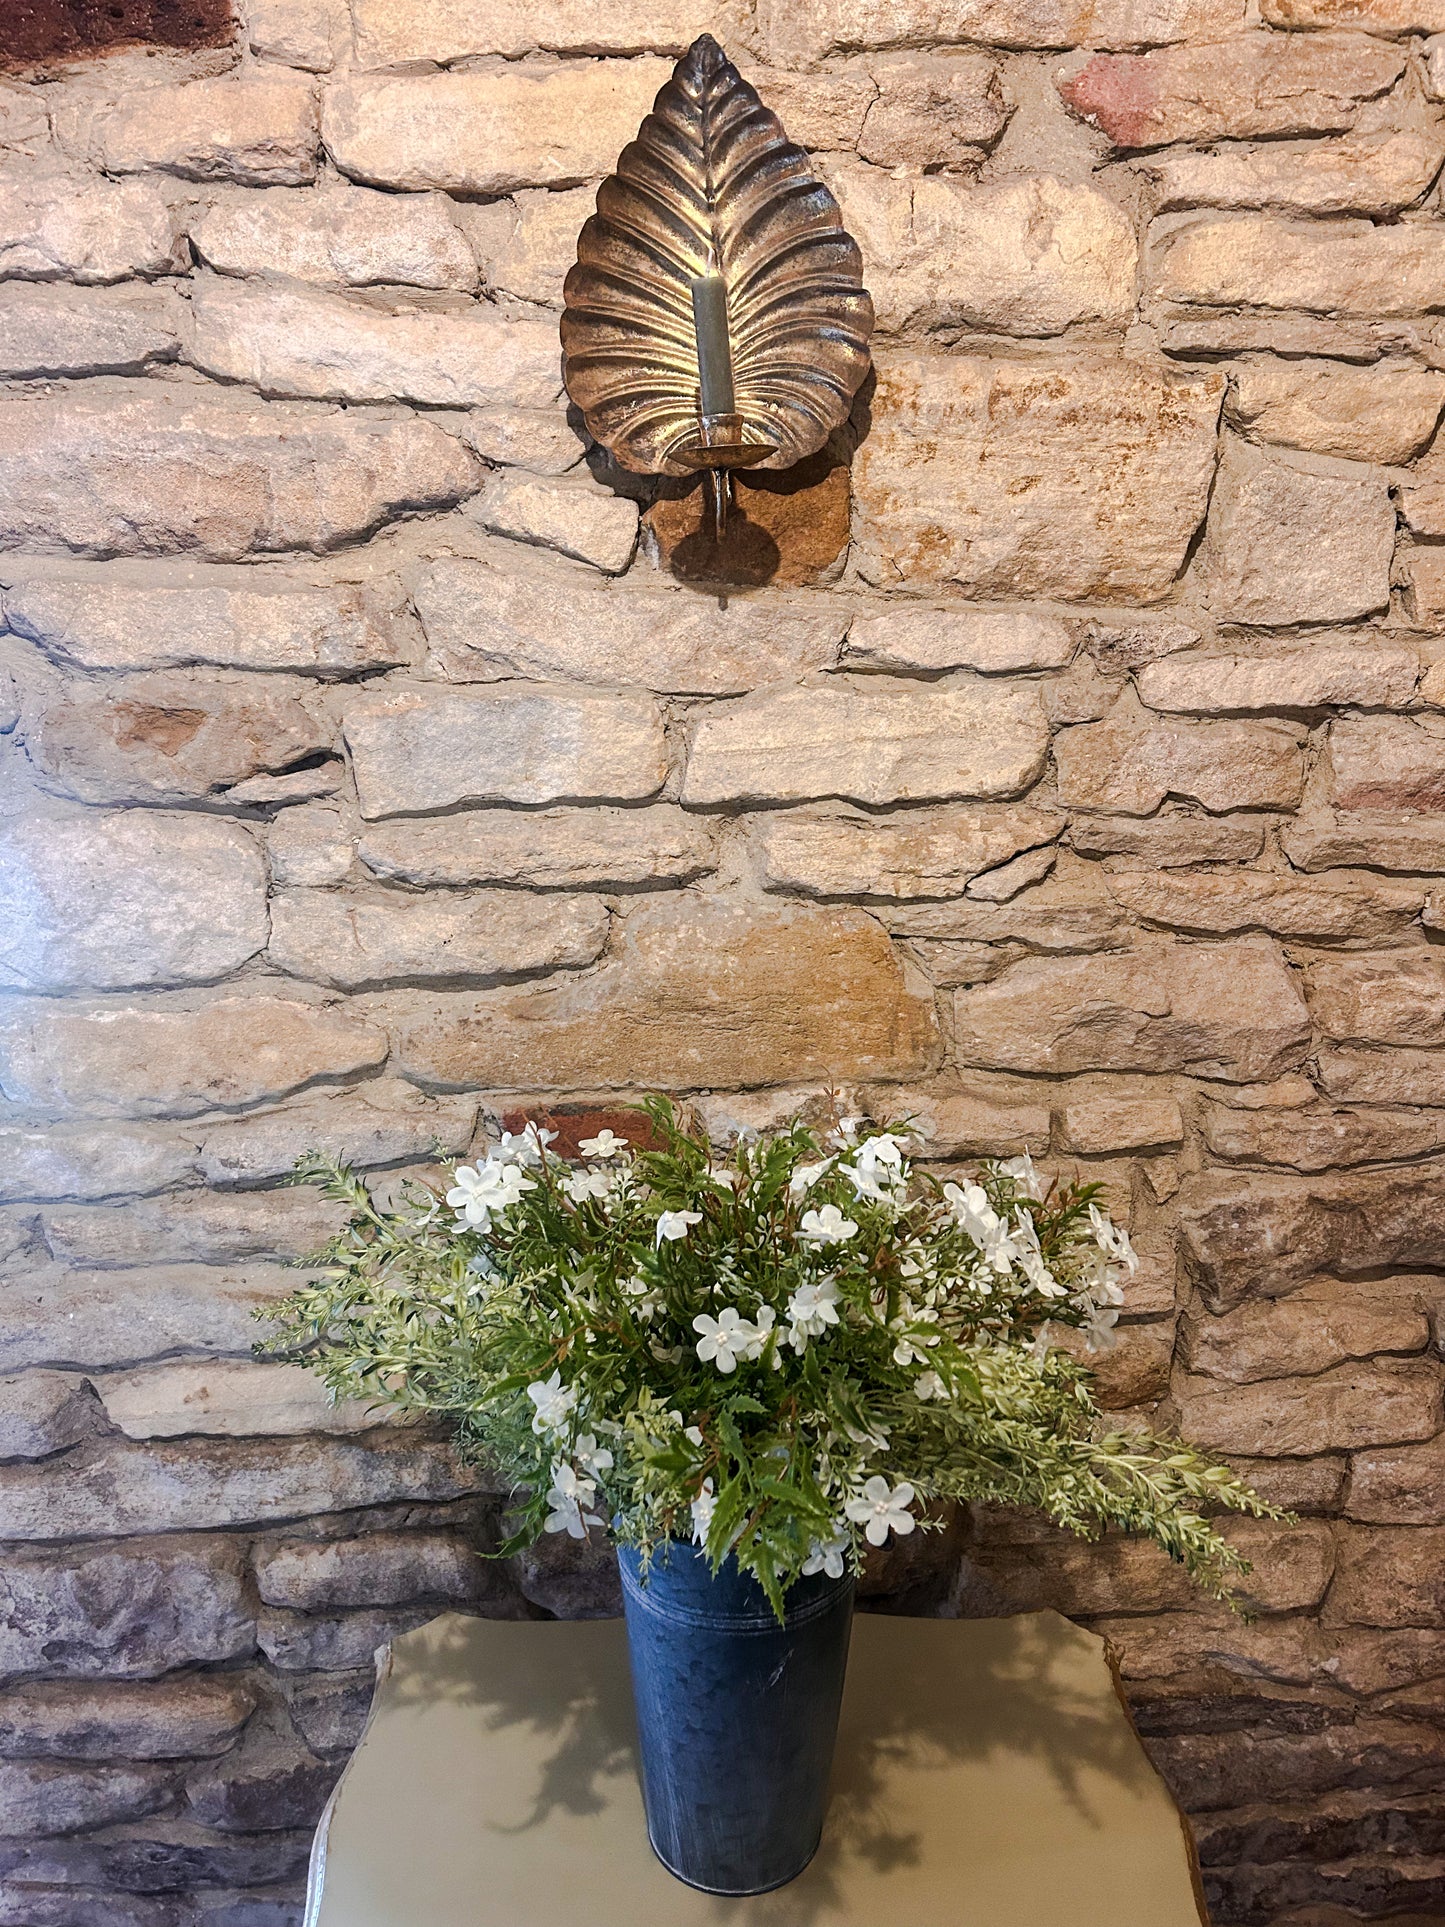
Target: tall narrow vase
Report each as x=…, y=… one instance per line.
x=736, y=1715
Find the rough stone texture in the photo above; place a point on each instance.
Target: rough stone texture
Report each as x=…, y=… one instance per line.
x=340, y=236
x=1239, y=89
x=357, y=941
x=951, y=486
x=1156, y=1009
x=850, y=738
x=165, y=473
x=127, y=901
x=422, y=750
x=332, y=347
x=694, y=994
x=489, y=132
x=1092, y=799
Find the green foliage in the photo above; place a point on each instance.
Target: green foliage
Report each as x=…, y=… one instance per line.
x=780, y=1355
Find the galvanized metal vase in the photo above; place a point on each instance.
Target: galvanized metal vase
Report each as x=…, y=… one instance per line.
x=736, y=1715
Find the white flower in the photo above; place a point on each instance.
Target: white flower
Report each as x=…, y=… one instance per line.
x=554, y=1401
x=1030, y=1259
x=482, y=1191
x=977, y=1218
x=881, y=1509
x=826, y=1227
x=929, y=1385
x=1027, y=1179
x=703, y=1507
x=827, y=1555
x=606, y=1144
x=812, y=1308
x=567, y=1496
x=526, y=1147
x=724, y=1339
x=582, y=1185
x=593, y=1458
x=674, y=1224
x=649, y=1302
x=1099, y=1333
x=759, y=1331
x=1113, y=1240
x=806, y=1176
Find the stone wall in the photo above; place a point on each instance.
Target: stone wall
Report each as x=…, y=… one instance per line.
x=1077, y=779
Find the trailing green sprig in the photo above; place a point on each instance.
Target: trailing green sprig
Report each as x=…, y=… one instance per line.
x=782, y=1356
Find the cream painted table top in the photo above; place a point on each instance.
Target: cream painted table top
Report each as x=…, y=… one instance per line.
x=987, y=1776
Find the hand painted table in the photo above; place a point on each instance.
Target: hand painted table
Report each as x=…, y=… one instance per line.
x=987, y=1775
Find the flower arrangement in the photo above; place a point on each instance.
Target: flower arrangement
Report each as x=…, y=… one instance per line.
x=786, y=1355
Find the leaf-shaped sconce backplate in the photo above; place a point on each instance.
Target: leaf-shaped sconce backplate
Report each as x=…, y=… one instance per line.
x=712, y=179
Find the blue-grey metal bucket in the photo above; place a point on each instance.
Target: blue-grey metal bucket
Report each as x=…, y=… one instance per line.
x=736, y=1715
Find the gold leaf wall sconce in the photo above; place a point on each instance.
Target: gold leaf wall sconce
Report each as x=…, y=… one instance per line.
x=716, y=316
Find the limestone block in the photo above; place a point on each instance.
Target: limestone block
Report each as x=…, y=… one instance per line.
x=1171, y=840
x=304, y=342
x=1379, y=1403
x=1131, y=761
x=515, y=614
x=311, y=845
x=91, y=1160
x=696, y=993
x=301, y=1644
x=1411, y=844
x=1238, y=89
x=226, y=1398
x=1374, y=16
x=961, y=737
x=24, y=123
x=47, y=330
x=167, y=1056
x=1340, y=904
x=1395, y=997
x=86, y=229
x=363, y=941
x=801, y=32
x=1422, y=500
x=193, y=1716
x=1264, y=261
x=167, y=734
x=1095, y=1122
x=1399, y=1485
x=917, y=853
x=1422, y=575
x=41, y=1413
x=996, y=641
x=1376, y=173
x=390, y=33
x=192, y=1226
x=1382, y=1077
x=414, y=750
x=127, y=900
x=376, y=1569
x=1287, y=544
x=256, y=128
x=1318, y=1140
x=488, y=132
x=1033, y=479
x=168, y=471
x=139, y=616
x=130, y=1612
x=199, y=1485
x=39, y=1800
x=1388, y=1576
x=1386, y=414
x=338, y=235
x=90, y=1319
x=549, y=849
x=296, y=33
x=1158, y=1008
x=525, y=244
x=1071, y=912
x=384, y=1121
x=932, y=111
x=1389, y=763
x=1313, y=1330
x=574, y=515
x=1002, y=884
x=1248, y=1234
x=1027, y=257
x=544, y=440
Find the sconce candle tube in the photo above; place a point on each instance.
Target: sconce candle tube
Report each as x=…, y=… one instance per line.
x=714, y=351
